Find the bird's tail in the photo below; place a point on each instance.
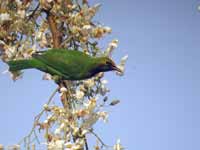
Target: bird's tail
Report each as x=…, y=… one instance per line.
x=17, y=65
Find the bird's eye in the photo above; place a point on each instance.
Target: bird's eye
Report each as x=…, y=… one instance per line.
x=108, y=62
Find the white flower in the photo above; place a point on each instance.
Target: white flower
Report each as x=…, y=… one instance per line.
x=121, y=66
x=99, y=75
x=90, y=12
x=103, y=115
x=111, y=47
x=84, y=132
x=57, y=131
x=75, y=30
x=10, y=51
x=90, y=121
x=124, y=59
x=15, y=147
x=82, y=88
x=19, y=2
x=79, y=94
x=87, y=27
x=49, y=1
x=62, y=126
x=39, y=35
x=34, y=48
x=2, y=42
x=107, y=29
x=89, y=83
x=49, y=118
x=86, y=30
x=57, y=145
x=74, y=6
x=63, y=89
x=96, y=7
x=114, y=44
x=4, y=17
x=21, y=13
x=90, y=106
x=104, y=81
x=47, y=76
x=68, y=145
x=45, y=106
x=46, y=4
x=43, y=43
x=27, y=55
x=46, y=121
x=103, y=89
x=118, y=146
x=77, y=147
x=75, y=130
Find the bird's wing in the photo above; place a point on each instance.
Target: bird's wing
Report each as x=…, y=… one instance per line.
x=68, y=63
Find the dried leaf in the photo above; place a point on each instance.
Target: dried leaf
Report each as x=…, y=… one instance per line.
x=114, y=102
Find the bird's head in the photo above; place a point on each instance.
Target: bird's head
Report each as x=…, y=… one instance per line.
x=107, y=64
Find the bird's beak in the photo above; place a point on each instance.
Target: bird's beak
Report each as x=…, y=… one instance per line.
x=117, y=69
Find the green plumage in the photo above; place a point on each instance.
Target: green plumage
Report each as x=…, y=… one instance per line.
x=67, y=64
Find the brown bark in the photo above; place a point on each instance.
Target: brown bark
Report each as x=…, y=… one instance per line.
x=56, y=34
x=57, y=40
x=54, y=30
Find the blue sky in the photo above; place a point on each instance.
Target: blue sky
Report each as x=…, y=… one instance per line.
x=159, y=93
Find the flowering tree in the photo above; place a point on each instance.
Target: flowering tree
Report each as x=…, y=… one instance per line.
x=27, y=26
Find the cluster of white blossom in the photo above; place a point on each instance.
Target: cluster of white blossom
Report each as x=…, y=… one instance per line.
x=16, y=32
x=69, y=127
x=24, y=29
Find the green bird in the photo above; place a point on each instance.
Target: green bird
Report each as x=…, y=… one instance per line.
x=65, y=64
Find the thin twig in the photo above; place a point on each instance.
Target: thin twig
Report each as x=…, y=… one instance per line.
x=86, y=144
x=48, y=102
x=99, y=139
x=28, y=137
x=54, y=30
x=33, y=13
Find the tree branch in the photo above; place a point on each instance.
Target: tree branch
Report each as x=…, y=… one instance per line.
x=99, y=139
x=32, y=132
x=33, y=13
x=57, y=38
